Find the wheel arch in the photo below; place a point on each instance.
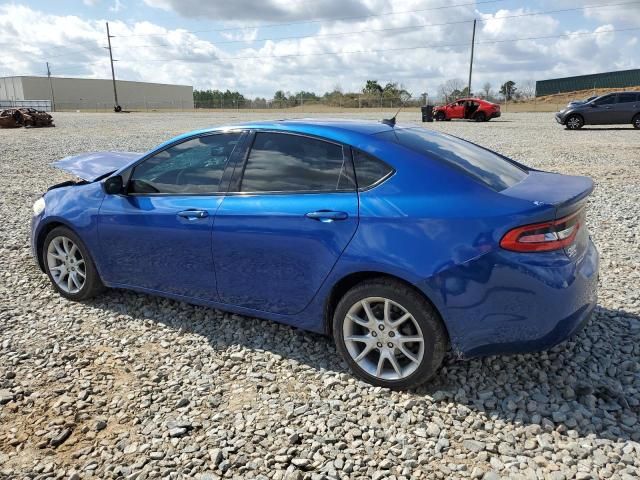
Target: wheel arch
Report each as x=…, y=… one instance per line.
x=42, y=235
x=346, y=283
x=574, y=114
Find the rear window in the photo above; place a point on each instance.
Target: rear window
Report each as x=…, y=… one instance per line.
x=487, y=167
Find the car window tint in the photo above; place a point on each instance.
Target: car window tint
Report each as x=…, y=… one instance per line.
x=369, y=170
x=627, y=97
x=483, y=165
x=280, y=162
x=608, y=100
x=194, y=166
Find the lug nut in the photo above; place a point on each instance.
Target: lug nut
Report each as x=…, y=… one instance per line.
x=390, y=345
x=391, y=334
x=379, y=345
x=374, y=334
x=381, y=327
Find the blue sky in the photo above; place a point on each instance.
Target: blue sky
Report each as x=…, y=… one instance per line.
x=175, y=41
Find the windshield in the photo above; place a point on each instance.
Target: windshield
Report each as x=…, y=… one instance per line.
x=483, y=165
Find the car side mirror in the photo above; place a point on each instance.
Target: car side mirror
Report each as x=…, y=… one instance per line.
x=113, y=185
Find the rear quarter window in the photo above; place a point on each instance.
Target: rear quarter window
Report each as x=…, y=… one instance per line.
x=483, y=165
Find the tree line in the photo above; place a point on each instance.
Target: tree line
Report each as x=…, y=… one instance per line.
x=372, y=94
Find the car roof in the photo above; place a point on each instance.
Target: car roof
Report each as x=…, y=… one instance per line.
x=341, y=130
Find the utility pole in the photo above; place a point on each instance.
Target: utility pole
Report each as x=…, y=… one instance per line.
x=473, y=41
x=116, y=106
x=53, y=98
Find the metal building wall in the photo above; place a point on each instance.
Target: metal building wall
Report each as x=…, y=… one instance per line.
x=11, y=89
x=620, y=79
x=97, y=94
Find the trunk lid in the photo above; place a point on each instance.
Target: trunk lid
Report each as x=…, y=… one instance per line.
x=91, y=166
x=567, y=194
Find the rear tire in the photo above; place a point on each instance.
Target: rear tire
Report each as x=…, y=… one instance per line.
x=69, y=266
x=636, y=121
x=480, y=117
x=574, y=122
x=440, y=116
x=388, y=334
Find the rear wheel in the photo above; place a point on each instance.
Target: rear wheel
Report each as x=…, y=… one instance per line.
x=480, y=117
x=69, y=266
x=440, y=116
x=636, y=121
x=574, y=122
x=388, y=334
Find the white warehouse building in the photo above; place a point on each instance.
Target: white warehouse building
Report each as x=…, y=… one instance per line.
x=94, y=94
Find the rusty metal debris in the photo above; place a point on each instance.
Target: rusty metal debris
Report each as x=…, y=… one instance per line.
x=25, y=117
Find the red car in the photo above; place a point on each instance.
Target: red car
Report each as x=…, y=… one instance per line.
x=469, y=108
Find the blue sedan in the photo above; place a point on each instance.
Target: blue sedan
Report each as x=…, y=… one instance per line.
x=400, y=242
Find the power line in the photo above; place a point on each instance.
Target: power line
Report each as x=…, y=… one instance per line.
x=307, y=22
x=388, y=29
x=417, y=47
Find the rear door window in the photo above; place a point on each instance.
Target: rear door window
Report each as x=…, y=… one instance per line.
x=280, y=162
x=369, y=170
x=483, y=165
x=627, y=97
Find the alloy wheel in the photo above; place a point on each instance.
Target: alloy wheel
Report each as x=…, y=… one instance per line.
x=574, y=123
x=66, y=264
x=383, y=338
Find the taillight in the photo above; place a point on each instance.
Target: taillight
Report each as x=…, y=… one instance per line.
x=543, y=237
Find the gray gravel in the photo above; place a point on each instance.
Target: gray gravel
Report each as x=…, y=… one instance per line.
x=133, y=386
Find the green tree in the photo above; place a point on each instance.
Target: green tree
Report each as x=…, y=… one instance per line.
x=372, y=88
x=508, y=89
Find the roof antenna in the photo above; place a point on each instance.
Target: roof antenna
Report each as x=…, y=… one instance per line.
x=392, y=121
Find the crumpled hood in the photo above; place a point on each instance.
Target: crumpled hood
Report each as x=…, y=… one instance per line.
x=91, y=166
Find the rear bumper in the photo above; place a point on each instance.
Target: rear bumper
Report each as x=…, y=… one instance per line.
x=495, y=114
x=507, y=302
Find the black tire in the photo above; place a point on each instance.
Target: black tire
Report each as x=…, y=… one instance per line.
x=636, y=121
x=433, y=332
x=440, y=116
x=574, y=122
x=117, y=109
x=480, y=117
x=92, y=285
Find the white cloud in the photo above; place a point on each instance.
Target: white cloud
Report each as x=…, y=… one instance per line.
x=621, y=15
x=264, y=10
x=91, y=3
x=117, y=6
x=149, y=52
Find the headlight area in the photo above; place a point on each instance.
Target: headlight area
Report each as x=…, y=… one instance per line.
x=39, y=206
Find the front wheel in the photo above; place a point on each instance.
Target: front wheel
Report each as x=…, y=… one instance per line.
x=440, y=116
x=574, y=122
x=389, y=335
x=636, y=121
x=69, y=266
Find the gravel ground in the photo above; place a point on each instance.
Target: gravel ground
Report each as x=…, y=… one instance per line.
x=133, y=386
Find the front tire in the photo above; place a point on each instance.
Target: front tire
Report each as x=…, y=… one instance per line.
x=574, y=122
x=69, y=266
x=440, y=116
x=389, y=335
x=636, y=121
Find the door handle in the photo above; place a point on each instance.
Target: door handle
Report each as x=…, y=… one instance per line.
x=327, y=216
x=193, y=214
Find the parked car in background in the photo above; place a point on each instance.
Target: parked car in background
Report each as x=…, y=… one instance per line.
x=611, y=109
x=400, y=242
x=467, y=108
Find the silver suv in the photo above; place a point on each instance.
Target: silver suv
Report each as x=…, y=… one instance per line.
x=609, y=109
